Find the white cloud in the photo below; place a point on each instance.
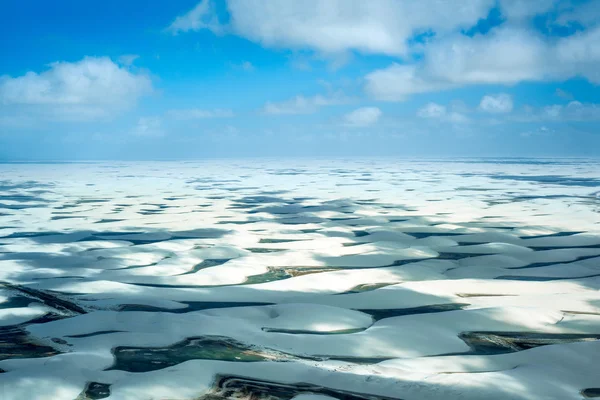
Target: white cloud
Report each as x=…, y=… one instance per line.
x=553, y=111
x=582, y=111
x=508, y=54
x=541, y=131
x=457, y=118
x=128, y=59
x=562, y=12
x=432, y=110
x=504, y=56
x=196, y=113
x=572, y=112
x=149, y=127
x=578, y=55
x=440, y=112
x=499, y=103
x=85, y=90
x=202, y=16
x=335, y=26
x=520, y=9
x=586, y=14
x=296, y=105
x=362, y=117
x=397, y=82
x=305, y=105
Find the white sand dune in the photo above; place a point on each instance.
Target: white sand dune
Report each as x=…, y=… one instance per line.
x=303, y=279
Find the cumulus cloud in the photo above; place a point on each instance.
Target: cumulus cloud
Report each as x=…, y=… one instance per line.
x=440, y=112
x=448, y=58
x=85, y=90
x=362, y=117
x=581, y=111
x=573, y=111
x=304, y=105
x=334, y=26
x=506, y=55
x=499, y=103
x=197, y=113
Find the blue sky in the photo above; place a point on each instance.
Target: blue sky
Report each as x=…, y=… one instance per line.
x=230, y=78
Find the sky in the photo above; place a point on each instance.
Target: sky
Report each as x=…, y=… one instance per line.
x=150, y=80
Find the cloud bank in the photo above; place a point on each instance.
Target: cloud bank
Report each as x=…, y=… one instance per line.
x=88, y=89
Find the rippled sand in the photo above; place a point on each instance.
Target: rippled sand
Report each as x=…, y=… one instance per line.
x=308, y=279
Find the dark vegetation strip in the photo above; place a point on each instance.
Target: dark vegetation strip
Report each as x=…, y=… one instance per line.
x=379, y=314
x=144, y=359
x=50, y=299
x=96, y=391
x=509, y=342
x=15, y=342
x=231, y=387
